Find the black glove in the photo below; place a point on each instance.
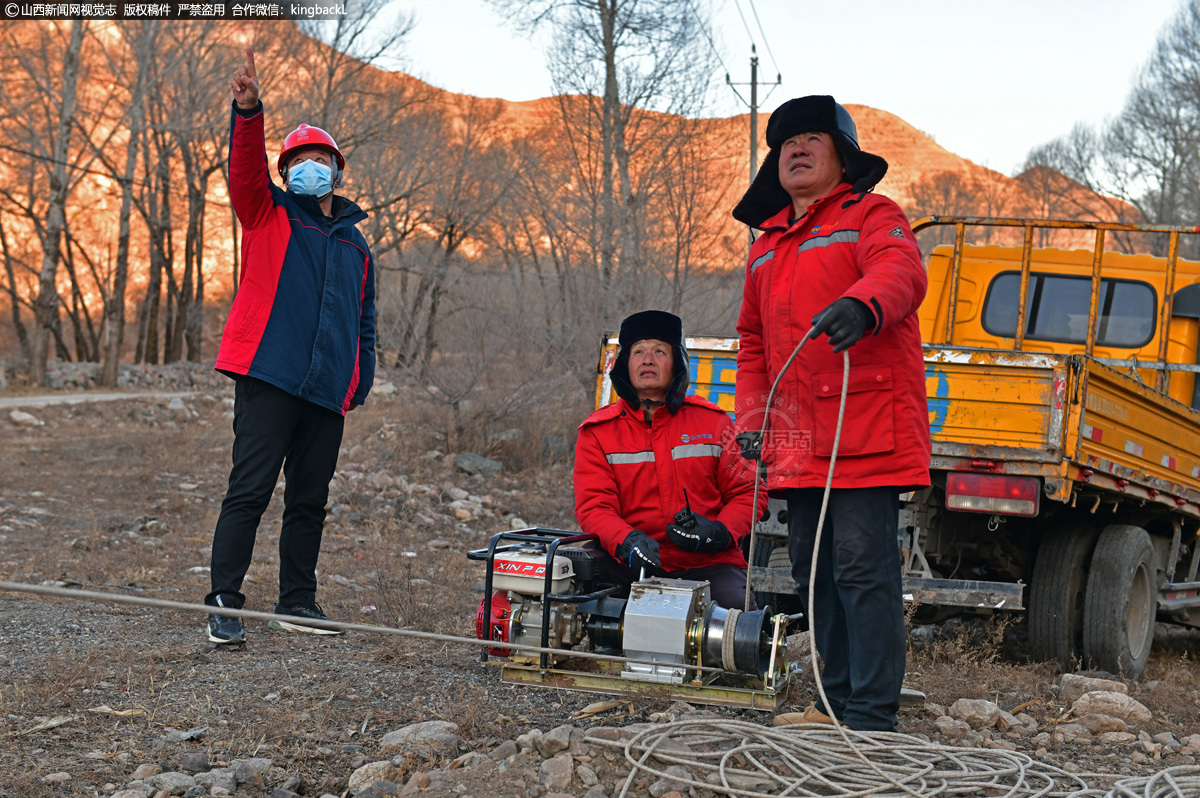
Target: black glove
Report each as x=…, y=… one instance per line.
x=693, y=532
x=751, y=443
x=639, y=551
x=844, y=322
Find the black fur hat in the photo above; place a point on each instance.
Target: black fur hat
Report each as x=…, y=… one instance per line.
x=812, y=114
x=661, y=326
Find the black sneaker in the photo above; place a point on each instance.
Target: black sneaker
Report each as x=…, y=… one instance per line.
x=226, y=631
x=300, y=612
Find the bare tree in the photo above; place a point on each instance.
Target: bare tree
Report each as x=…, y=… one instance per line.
x=993, y=194
x=11, y=262
x=40, y=100
x=153, y=202
x=688, y=212
x=333, y=66
x=395, y=179
x=1144, y=164
x=136, y=65
x=474, y=174
x=614, y=64
x=201, y=50
x=942, y=193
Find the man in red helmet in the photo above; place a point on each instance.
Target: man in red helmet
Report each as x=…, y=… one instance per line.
x=300, y=344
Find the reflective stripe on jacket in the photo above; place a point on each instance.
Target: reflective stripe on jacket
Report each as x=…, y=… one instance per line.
x=630, y=475
x=304, y=315
x=846, y=245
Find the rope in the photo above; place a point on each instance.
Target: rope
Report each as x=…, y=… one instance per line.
x=737, y=758
x=896, y=764
x=140, y=601
x=727, y=636
x=803, y=760
x=762, y=437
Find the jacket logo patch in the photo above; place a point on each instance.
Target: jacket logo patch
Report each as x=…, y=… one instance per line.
x=816, y=229
x=897, y=232
x=689, y=438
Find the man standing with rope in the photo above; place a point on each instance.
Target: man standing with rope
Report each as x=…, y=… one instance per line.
x=837, y=260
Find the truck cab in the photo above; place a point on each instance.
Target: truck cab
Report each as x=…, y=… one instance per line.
x=1129, y=321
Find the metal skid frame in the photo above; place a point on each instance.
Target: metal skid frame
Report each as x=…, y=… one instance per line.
x=605, y=675
x=607, y=680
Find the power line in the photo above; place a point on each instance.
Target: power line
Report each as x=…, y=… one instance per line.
x=704, y=30
x=738, y=6
x=766, y=43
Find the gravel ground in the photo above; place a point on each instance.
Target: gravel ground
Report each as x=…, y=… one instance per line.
x=121, y=497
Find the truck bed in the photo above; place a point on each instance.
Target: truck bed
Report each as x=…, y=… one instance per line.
x=1066, y=418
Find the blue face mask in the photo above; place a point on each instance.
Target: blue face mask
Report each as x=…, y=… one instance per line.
x=310, y=177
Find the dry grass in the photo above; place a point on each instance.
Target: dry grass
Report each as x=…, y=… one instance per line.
x=1170, y=688
x=978, y=657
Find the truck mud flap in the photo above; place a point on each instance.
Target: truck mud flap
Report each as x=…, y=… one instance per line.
x=943, y=592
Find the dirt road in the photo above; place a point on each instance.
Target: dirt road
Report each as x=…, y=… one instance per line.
x=83, y=398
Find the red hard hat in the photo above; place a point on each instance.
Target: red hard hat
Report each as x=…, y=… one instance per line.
x=306, y=136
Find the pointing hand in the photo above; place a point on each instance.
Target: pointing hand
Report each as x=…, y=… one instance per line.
x=245, y=83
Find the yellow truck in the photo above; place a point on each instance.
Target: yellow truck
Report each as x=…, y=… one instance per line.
x=1063, y=404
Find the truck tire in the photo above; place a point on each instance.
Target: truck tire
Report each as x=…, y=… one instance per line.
x=769, y=553
x=1057, y=594
x=1118, y=614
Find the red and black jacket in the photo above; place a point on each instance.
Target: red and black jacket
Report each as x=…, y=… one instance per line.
x=304, y=315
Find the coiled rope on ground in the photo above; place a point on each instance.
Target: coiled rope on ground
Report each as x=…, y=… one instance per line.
x=747, y=760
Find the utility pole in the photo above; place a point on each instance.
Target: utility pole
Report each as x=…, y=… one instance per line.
x=753, y=84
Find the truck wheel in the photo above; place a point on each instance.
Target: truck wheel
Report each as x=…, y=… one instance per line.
x=769, y=555
x=1118, y=615
x=1057, y=594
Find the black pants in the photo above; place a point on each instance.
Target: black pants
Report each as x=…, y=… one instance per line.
x=858, y=617
x=727, y=583
x=272, y=428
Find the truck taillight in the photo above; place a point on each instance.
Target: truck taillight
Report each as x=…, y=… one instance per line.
x=992, y=493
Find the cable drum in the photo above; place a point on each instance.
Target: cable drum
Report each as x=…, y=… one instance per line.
x=751, y=636
x=737, y=758
x=737, y=641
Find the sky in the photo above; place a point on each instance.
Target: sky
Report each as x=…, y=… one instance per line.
x=987, y=80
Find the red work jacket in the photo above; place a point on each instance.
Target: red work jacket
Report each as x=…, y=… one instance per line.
x=631, y=475
x=846, y=245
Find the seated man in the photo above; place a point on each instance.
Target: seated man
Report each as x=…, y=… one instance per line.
x=657, y=474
